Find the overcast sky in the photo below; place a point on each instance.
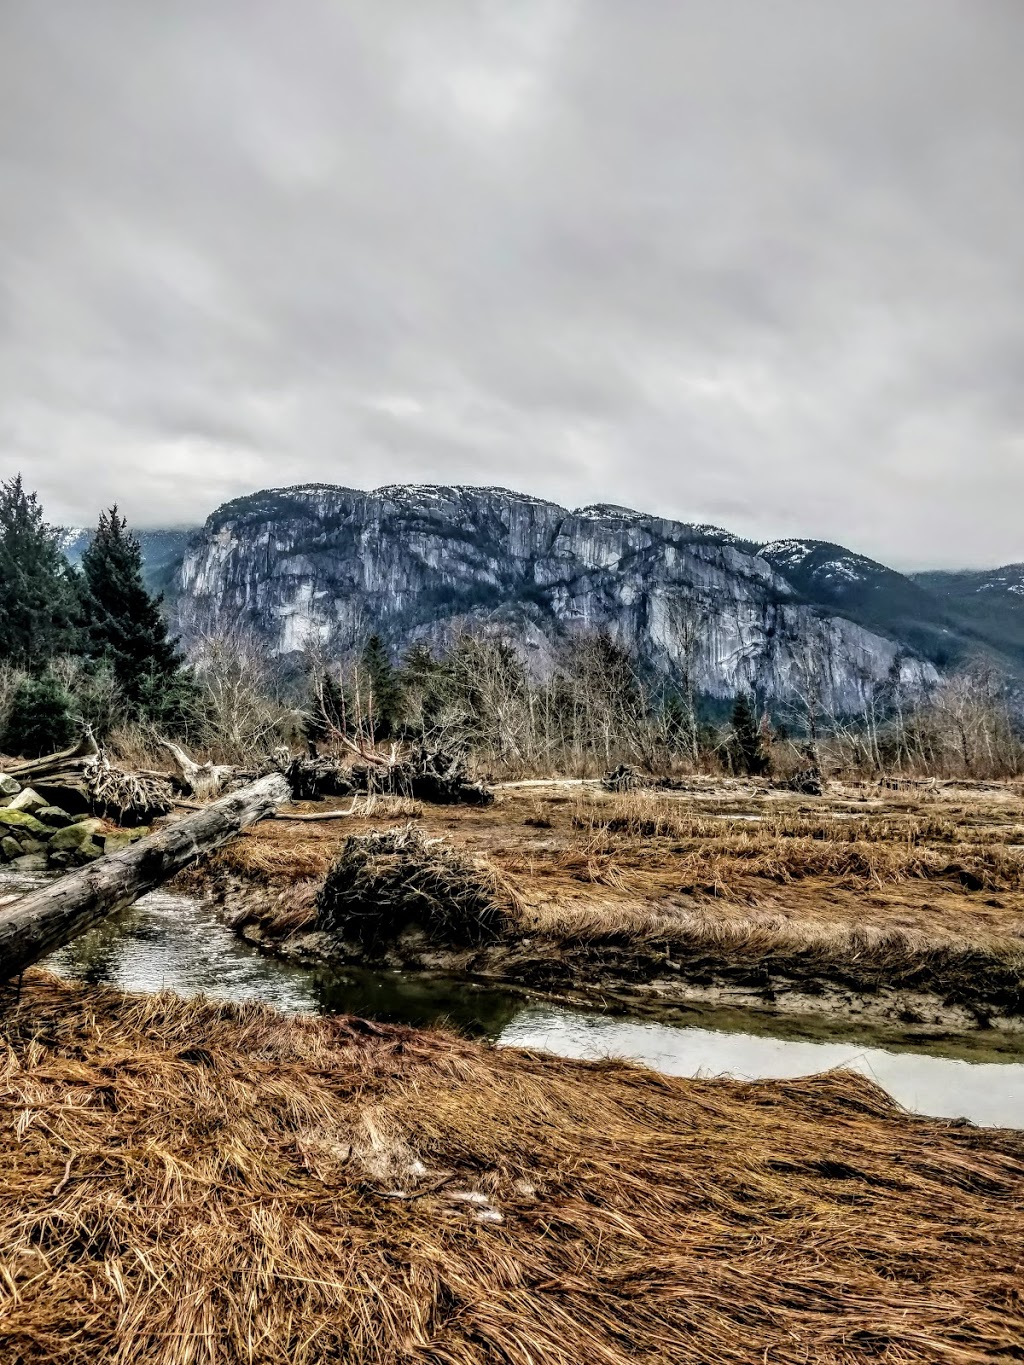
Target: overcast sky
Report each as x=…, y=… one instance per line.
x=760, y=264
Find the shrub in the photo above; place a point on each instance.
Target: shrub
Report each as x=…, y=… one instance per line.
x=40, y=719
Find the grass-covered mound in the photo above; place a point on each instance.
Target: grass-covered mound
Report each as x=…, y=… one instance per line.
x=195, y=1184
x=383, y=882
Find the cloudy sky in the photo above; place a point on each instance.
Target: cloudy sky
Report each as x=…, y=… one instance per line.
x=760, y=264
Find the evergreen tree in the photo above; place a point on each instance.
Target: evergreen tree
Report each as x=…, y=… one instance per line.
x=746, y=749
x=123, y=620
x=38, y=599
x=40, y=720
x=385, y=706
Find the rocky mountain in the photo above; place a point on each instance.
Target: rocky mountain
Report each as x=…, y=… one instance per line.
x=411, y=562
x=876, y=597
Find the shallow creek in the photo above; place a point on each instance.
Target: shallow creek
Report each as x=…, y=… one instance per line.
x=178, y=943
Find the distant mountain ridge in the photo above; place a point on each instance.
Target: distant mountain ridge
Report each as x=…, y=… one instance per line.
x=162, y=551
x=945, y=618
x=414, y=562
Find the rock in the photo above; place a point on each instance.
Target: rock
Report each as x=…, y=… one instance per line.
x=53, y=815
x=8, y=785
x=30, y=845
x=28, y=800
x=414, y=560
x=19, y=822
x=61, y=859
x=74, y=837
x=10, y=848
x=88, y=852
x=115, y=843
x=31, y=862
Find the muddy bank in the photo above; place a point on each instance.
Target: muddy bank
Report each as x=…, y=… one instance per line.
x=907, y=911
x=658, y=979
x=186, y=1180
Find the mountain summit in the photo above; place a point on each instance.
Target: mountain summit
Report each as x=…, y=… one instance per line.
x=414, y=562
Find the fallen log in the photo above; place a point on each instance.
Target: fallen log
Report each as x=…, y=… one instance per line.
x=29, y=768
x=353, y=810
x=82, y=778
x=55, y=914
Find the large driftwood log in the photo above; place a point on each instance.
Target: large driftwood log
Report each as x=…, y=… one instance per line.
x=55, y=914
x=72, y=759
x=83, y=779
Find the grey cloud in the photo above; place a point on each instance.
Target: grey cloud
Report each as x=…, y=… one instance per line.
x=744, y=263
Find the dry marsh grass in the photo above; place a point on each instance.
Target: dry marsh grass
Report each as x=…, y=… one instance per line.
x=726, y=857
x=648, y=815
x=634, y=876
x=197, y=1184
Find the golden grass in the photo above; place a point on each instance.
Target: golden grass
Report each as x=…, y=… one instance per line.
x=718, y=894
x=648, y=815
x=758, y=945
x=723, y=857
x=198, y=1184
x=381, y=807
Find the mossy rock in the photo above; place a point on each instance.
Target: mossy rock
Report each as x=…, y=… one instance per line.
x=54, y=816
x=121, y=839
x=88, y=852
x=19, y=822
x=76, y=836
x=8, y=785
x=31, y=862
x=10, y=848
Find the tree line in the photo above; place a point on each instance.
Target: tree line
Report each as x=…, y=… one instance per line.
x=77, y=642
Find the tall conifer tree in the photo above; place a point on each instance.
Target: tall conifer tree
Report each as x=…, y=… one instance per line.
x=124, y=622
x=38, y=600
x=747, y=750
x=385, y=688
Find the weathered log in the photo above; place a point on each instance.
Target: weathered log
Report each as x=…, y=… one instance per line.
x=354, y=810
x=83, y=779
x=50, y=917
x=72, y=760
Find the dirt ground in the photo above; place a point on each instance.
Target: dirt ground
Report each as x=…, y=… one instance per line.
x=908, y=903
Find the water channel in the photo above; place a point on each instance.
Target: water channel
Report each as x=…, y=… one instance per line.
x=175, y=942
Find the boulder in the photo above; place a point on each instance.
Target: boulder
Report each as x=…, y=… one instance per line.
x=123, y=838
x=28, y=800
x=88, y=852
x=19, y=822
x=30, y=845
x=54, y=816
x=8, y=785
x=61, y=859
x=31, y=862
x=74, y=837
x=10, y=848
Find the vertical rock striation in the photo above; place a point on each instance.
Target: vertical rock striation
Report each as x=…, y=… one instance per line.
x=333, y=563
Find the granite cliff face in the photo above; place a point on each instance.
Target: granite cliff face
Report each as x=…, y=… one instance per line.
x=411, y=562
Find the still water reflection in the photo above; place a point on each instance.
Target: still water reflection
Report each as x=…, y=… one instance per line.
x=176, y=942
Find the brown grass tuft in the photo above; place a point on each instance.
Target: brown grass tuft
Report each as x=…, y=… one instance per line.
x=383, y=882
